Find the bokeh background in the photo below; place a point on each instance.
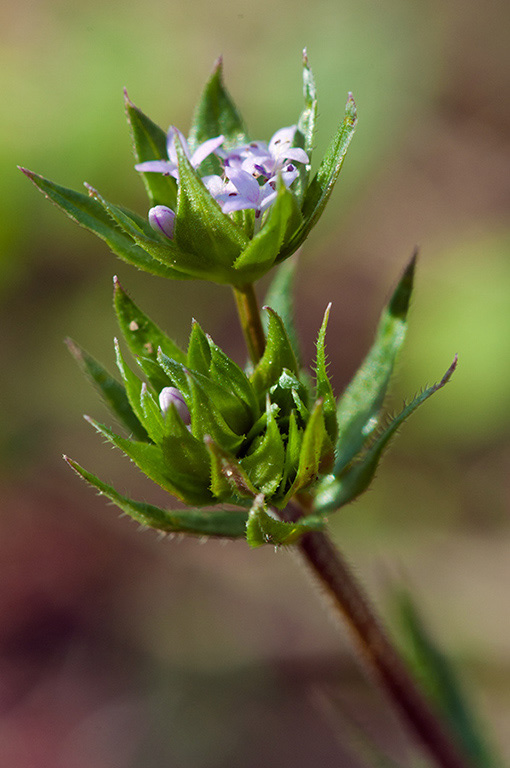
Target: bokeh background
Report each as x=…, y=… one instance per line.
x=120, y=650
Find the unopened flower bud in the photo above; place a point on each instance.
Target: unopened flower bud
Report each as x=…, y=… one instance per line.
x=162, y=219
x=169, y=395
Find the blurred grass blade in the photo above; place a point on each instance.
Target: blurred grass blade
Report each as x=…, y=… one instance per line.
x=439, y=680
x=223, y=523
x=359, y=406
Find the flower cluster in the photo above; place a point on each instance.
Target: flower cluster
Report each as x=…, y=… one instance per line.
x=249, y=176
x=223, y=207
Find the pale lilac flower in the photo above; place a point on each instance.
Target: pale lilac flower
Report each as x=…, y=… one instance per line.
x=267, y=160
x=170, y=167
x=171, y=395
x=245, y=192
x=162, y=219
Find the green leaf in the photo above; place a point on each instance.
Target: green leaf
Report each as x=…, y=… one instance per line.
x=201, y=227
x=151, y=460
x=308, y=117
x=112, y=392
x=438, y=677
x=336, y=490
x=283, y=217
x=278, y=355
x=143, y=337
x=149, y=143
x=220, y=403
x=324, y=390
x=359, y=406
x=161, y=248
x=229, y=481
x=280, y=297
x=306, y=128
x=209, y=413
x=133, y=386
x=263, y=528
x=321, y=187
x=230, y=376
x=89, y=213
x=292, y=449
x=316, y=447
x=265, y=462
x=216, y=115
x=199, y=522
x=199, y=353
x=154, y=420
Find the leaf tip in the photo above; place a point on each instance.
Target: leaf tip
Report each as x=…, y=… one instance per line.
x=73, y=348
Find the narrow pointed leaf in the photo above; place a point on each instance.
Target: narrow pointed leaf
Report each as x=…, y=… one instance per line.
x=207, y=418
x=201, y=227
x=216, y=115
x=308, y=117
x=315, y=447
x=132, y=384
x=283, y=217
x=151, y=461
x=153, y=418
x=184, y=453
x=263, y=528
x=149, y=143
x=306, y=128
x=143, y=337
x=321, y=187
x=359, y=406
x=112, y=392
x=264, y=464
x=292, y=449
x=199, y=522
x=337, y=490
x=183, y=263
x=278, y=355
x=324, y=390
x=228, y=479
x=230, y=376
x=280, y=297
x=199, y=353
x=89, y=213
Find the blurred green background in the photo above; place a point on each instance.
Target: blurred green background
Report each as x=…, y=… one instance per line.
x=121, y=650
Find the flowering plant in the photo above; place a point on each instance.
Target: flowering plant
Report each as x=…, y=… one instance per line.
x=266, y=452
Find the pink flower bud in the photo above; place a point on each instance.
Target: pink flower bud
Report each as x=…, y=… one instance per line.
x=162, y=219
x=169, y=395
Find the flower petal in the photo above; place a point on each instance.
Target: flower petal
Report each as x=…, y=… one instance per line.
x=205, y=149
x=157, y=166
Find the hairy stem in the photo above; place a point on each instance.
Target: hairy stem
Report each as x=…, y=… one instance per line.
x=333, y=573
x=249, y=315
x=374, y=645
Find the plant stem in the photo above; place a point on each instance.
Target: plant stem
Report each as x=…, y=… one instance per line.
x=328, y=565
x=249, y=315
x=376, y=649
